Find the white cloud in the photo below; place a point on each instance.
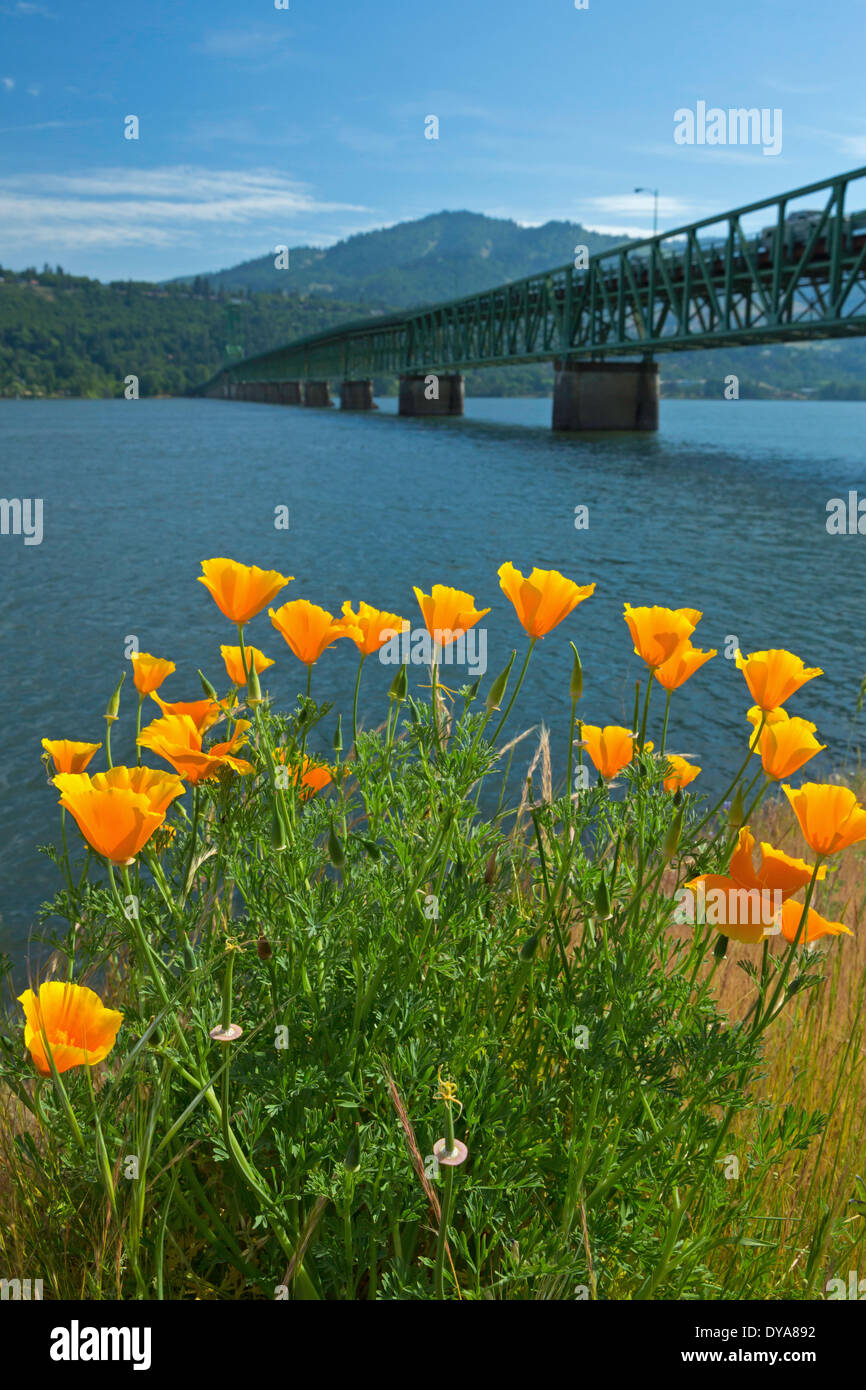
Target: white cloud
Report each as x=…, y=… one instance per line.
x=8, y=83
x=636, y=205
x=33, y=90
x=170, y=206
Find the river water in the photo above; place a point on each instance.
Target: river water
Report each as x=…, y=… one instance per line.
x=725, y=509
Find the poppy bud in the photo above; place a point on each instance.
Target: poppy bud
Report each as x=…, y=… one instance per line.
x=264, y=950
x=254, y=689
x=399, y=685
x=207, y=687
x=575, y=688
x=473, y=691
x=189, y=959
x=602, y=899
x=352, y=1161
x=335, y=849
x=114, y=702
x=672, y=838
x=529, y=947
x=735, y=814
x=497, y=689
x=278, y=830
x=338, y=735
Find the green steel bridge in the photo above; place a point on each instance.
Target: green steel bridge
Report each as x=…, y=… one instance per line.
x=772, y=271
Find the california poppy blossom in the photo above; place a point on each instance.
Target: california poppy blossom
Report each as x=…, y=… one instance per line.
x=681, y=774
x=72, y=1020
x=816, y=925
x=786, y=745
x=448, y=612
x=774, y=676
x=203, y=713
x=769, y=716
x=310, y=777
x=118, y=811
x=831, y=818
x=176, y=738
x=543, y=600
x=235, y=666
x=744, y=903
x=241, y=591
x=659, y=634
x=611, y=748
x=68, y=756
x=308, y=629
x=370, y=628
x=677, y=669
x=149, y=672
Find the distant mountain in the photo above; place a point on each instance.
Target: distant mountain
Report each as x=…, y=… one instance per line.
x=434, y=258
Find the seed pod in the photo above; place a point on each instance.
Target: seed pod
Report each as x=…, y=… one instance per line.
x=264, y=951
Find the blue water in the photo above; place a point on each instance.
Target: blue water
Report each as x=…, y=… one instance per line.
x=723, y=510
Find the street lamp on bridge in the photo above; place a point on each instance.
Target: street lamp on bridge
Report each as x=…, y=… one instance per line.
x=655, y=196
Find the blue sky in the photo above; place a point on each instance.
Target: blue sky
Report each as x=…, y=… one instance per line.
x=262, y=126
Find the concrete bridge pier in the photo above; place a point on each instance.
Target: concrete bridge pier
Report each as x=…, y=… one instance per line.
x=357, y=395
x=289, y=393
x=317, y=393
x=432, y=394
x=606, y=395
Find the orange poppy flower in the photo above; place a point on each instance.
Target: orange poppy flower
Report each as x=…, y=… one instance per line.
x=774, y=676
x=241, y=591
x=176, y=738
x=370, y=628
x=677, y=669
x=78, y=1029
x=308, y=629
x=448, y=612
x=149, y=672
x=659, y=634
x=769, y=716
x=786, y=745
x=118, y=811
x=203, y=713
x=313, y=776
x=159, y=787
x=746, y=900
x=831, y=818
x=68, y=756
x=816, y=925
x=682, y=773
x=610, y=748
x=235, y=666
x=543, y=600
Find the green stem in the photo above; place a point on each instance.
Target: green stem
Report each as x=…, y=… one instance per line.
x=508, y=707
x=355, y=701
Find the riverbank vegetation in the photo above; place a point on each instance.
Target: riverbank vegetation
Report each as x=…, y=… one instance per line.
x=66, y=336
x=328, y=1030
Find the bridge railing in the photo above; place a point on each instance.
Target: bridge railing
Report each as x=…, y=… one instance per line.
x=801, y=274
